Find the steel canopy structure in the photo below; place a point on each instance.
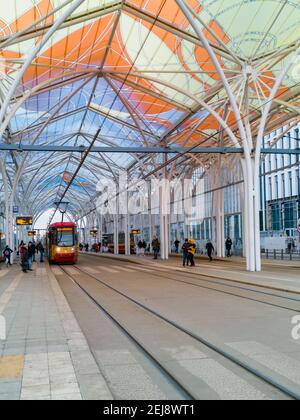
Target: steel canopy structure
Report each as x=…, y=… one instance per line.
x=149, y=74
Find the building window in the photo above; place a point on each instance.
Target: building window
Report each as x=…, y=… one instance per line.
x=290, y=184
x=276, y=187
x=290, y=215
x=276, y=217
x=290, y=147
x=283, y=185
x=270, y=189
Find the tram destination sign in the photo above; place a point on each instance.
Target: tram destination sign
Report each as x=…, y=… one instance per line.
x=24, y=221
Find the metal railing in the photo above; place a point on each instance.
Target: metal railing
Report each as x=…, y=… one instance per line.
x=281, y=254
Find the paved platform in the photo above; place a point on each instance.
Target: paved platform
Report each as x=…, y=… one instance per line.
x=275, y=275
x=45, y=355
x=61, y=346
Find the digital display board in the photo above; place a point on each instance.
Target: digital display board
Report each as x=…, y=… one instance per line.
x=24, y=221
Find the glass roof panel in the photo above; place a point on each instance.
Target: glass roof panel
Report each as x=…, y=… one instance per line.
x=137, y=70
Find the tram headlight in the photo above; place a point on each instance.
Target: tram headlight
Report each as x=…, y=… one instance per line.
x=58, y=249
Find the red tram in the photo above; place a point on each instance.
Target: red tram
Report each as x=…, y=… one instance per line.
x=63, y=243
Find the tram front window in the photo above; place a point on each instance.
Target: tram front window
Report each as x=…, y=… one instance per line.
x=65, y=237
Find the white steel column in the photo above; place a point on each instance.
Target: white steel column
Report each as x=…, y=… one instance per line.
x=116, y=234
x=164, y=223
x=244, y=135
x=127, y=235
x=220, y=223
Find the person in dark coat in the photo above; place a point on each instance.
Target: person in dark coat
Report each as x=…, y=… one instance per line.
x=185, y=253
x=177, y=243
x=24, y=258
x=7, y=255
x=228, y=245
x=210, y=249
x=31, y=254
x=40, y=248
x=155, y=247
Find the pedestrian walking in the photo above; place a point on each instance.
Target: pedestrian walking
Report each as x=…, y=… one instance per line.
x=87, y=247
x=41, y=250
x=24, y=257
x=177, y=243
x=185, y=253
x=155, y=247
x=7, y=255
x=228, y=245
x=31, y=253
x=144, y=247
x=139, y=248
x=210, y=249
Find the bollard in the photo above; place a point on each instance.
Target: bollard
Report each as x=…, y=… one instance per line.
x=282, y=254
x=275, y=257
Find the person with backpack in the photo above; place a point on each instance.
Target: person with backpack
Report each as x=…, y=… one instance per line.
x=7, y=255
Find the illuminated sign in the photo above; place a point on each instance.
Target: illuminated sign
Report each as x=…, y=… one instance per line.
x=31, y=233
x=94, y=232
x=136, y=232
x=24, y=221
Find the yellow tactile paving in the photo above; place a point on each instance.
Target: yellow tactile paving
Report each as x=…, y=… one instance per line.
x=11, y=367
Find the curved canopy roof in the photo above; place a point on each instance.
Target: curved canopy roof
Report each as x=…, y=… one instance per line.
x=137, y=70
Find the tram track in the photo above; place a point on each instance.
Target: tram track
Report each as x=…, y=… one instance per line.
x=201, y=277
x=217, y=350
x=185, y=391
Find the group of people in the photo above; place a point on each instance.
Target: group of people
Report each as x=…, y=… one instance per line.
x=28, y=254
x=141, y=248
x=96, y=247
x=189, y=251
